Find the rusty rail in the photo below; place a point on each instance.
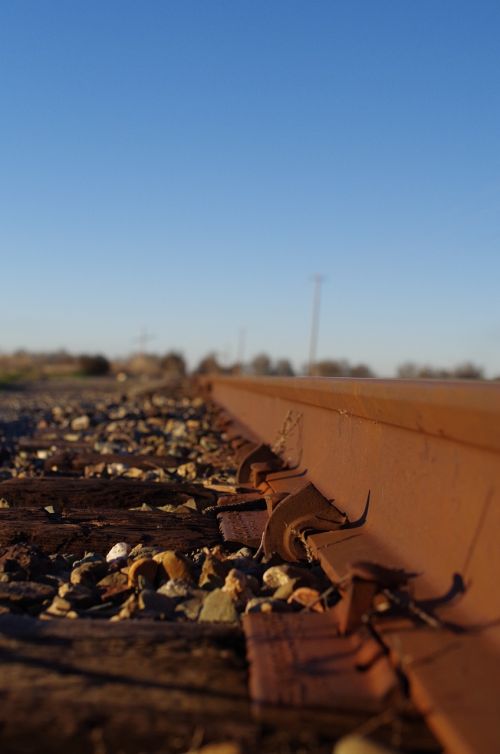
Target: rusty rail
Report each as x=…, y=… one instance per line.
x=427, y=456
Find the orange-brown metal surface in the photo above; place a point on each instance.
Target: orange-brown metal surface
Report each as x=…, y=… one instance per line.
x=297, y=659
x=429, y=454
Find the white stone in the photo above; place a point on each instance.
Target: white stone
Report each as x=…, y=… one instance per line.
x=120, y=550
x=80, y=422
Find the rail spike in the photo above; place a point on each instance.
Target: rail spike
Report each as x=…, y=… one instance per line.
x=261, y=454
x=302, y=512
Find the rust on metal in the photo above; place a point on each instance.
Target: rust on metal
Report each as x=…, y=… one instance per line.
x=298, y=660
x=304, y=511
x=260, y=454
x=273, y=499
x=454, y=681
x=355, y=603
x=429, y=452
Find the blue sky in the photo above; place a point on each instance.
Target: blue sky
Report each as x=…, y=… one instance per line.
x=188, y=166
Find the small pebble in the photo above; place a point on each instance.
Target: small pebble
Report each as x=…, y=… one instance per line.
x=89, y=557
x=176, y=589
x=77, y=595
x=267, y=605
x=155, y=605
x=144, y=568
x=129, y=608
x=191, y=607
x=306, y=597
x=88, y=573
x=142, y=551
x=241, y=588
x=167, y=508
x=115, y=580
x=282, y=574
x=213, y=572
x=359, y=745
x=174, y=565
x=118, y=551
x=187, y=471
x=218, y=608
x=225, y=747
x=283, y=592
x=80, y=423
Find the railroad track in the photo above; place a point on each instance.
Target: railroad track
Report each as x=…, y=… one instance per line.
x=332, y=540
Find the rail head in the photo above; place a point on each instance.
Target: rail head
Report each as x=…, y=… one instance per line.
x=462, y=411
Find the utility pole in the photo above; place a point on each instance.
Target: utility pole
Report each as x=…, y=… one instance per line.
x=241, y=347
x=142, y=340
x=313, y=343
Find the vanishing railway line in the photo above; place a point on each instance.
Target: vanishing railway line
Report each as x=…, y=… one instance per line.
x=267, y=568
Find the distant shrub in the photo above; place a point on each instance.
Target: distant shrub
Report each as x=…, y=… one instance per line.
x=174, y=363
x=93, y=366
x=209, y=365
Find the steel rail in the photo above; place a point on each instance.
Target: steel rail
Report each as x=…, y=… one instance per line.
x=429, y=454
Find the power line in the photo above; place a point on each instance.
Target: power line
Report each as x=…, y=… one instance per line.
x=143, y=340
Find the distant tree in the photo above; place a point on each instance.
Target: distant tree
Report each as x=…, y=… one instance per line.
x=59, y=357
x=433, y=373
x=209, y=365
x=465, y=371
x=284, y=368
x=261, y=364
x=174, y=363
x=361, y=370
x=407, y=371
x=144, y=365
x=93, y=365
x=468, y=371
x=330, y=368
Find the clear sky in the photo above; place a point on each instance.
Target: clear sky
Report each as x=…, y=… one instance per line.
x=189, y=165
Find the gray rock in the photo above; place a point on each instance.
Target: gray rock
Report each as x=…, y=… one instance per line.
x=78, y=595
x=88, y=573
x=89, y=557
x=191, y=607
x=155, y=605
x=176, y=589
x=218, y=608
x=140, y=551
